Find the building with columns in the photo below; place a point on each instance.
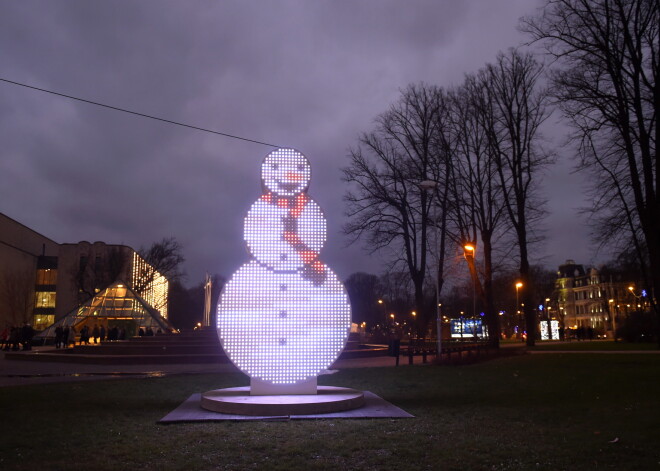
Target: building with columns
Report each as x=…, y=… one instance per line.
x=593, y=298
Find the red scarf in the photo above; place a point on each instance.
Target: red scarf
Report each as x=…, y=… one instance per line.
x=313, y=269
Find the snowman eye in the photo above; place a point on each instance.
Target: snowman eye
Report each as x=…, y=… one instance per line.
x=274, y=166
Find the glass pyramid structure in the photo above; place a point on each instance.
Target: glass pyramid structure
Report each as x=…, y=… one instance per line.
x=117, y=305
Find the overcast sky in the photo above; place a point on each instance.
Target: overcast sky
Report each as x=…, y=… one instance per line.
x=306, y=74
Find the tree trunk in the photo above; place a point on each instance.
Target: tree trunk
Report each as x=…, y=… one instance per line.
x=492, y=317
x=528, y=304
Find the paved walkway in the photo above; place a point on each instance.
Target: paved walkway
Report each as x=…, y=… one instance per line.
x=16, y=372
x=601, y=352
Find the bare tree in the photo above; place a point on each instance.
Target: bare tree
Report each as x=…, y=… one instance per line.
x=17, y=291
x=385, y=201
x=606, y=83
x=162, y=258
x=518, y=109
x=95, y=273
x=364, y=291
x=478, y=203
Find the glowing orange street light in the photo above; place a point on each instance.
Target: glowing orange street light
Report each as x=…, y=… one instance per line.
x=392, y=315
x=380, y=301
x=518, y=286
x=469, y=249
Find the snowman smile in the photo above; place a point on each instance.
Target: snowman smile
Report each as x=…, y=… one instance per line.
x=289, y=187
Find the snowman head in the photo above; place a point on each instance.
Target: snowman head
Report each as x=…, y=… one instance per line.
x=286, y=172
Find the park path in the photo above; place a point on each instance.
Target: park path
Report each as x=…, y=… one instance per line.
x=602, y=352
x=18, y=372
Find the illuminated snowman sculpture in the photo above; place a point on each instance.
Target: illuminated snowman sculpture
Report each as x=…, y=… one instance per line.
x=284, y=317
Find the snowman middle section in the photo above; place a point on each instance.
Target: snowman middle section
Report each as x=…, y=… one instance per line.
x=270, y=228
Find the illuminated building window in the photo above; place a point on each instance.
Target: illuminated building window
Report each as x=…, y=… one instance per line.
x=46, y=276
x=44, y=299
x=42, y=321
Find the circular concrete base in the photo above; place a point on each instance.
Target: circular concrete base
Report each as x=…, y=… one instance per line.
x=237, y=401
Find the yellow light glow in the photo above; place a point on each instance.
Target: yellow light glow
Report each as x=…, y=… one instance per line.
x=469, y=247
x=157, y=287
x=519, y=285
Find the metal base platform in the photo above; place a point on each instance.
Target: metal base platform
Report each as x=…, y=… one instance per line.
x=238, y=401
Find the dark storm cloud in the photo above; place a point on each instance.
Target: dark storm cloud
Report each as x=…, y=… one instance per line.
x=311, y=75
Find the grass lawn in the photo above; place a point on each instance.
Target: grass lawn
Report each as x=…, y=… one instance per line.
x=540, y=412
x=593, y=345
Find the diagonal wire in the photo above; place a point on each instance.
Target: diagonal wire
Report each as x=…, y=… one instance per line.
x=169, y=121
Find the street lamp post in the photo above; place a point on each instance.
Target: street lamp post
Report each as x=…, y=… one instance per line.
x=385, y=321
x=548, y=317
x=613, y=316
x=430, y=187
x=518, y=286
x=469, y=251
x=414, y=323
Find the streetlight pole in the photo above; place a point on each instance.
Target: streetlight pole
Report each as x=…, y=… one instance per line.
x=430, y=186
x=548, y=317
x=469, y=252
x=518, y=286
x=613, y=316
x=382, y=303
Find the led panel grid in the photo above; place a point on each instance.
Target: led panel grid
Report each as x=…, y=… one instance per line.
x=284, y=316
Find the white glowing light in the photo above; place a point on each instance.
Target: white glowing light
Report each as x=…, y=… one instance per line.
x=554, y=330
x=284, y=316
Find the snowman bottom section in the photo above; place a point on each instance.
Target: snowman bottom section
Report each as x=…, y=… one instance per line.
x=279, y=327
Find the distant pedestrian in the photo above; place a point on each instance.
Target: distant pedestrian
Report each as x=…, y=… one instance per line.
x=15, y=338
x=72, y=336
x=96, y=333
x=59, y=332
x=102, y=332
x=65, y=336
x=4, y=337
x=84, y=335
x=27, y=333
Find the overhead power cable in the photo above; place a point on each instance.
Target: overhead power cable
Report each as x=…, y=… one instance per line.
x=116, y=108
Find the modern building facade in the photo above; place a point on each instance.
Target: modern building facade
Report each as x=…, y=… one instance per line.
x=593, y=298
x=41, y=281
